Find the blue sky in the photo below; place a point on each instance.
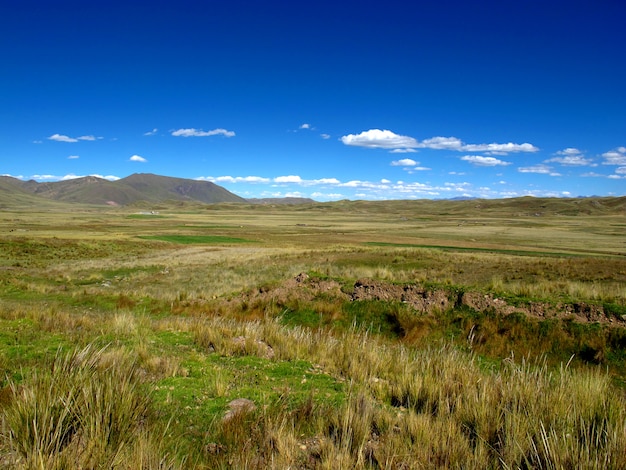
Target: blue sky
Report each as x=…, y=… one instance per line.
x=329, y=100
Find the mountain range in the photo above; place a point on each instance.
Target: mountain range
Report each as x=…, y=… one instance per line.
x=146, y=190
x=137, y=187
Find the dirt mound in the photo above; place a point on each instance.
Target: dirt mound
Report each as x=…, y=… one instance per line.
x=422, y=300
x=300, y=288
x=428, y=301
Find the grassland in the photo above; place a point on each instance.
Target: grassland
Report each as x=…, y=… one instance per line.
x=125, y=337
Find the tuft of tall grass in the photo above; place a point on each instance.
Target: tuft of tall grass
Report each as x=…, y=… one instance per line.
x=86, y=411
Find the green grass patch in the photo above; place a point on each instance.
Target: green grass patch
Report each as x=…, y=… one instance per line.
x=374, y=316
x=196, y=239
x=196, y=403
x=23, y=344
x=210, y=227
x=145, y=216
x=307, y=317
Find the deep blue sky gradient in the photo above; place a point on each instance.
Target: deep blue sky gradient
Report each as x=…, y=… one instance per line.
x=548, y=73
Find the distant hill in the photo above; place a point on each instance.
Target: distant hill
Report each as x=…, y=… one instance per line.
x=161, y=188
x=281, y=200
x=134, y=188
x=13, y=194
x=477, y=208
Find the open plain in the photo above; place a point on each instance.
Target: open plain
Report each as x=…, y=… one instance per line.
x=395, y=335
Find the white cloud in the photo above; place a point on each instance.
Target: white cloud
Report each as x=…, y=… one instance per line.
x=45, y=177
x=235, y=179
x=108, y=177
x=403, y=151
x=364, y=185
x=569, y=151
x=413, y=169
x=571, y=157
x=253, y=179
x=306, y=126
x=442, y=143
x=571, y=160
x=73, y=157
x=288, y=179
x=615, y=157
x=325, y=136
x=327, y=196
x=501, y=149
x=620, y=173
x=71, y=176
x=376, y=138
x=484, y=161
x=65, y=138
x=152, y=132
x=291, y=179
x=137, y=158
x=539, y=169
x=200, y=133
x=386, y=139
x=62, y=138
x=322, y=181
x=453, y=143
x=404, y=162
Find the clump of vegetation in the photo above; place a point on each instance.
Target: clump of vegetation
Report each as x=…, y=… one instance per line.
x=87, y=409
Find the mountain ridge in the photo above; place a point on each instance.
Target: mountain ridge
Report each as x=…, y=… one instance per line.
x=134, y=188
x=147, y=188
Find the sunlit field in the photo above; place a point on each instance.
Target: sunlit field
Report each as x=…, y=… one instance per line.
x=371, y=335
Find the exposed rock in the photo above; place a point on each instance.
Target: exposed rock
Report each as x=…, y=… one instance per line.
x=237, y=407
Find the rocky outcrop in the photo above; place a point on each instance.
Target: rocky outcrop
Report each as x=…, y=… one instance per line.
x=238, y=407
